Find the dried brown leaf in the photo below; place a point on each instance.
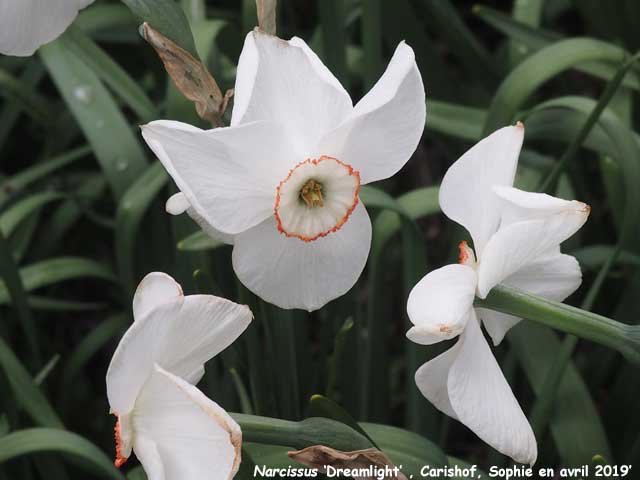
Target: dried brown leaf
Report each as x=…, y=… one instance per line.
x=267, y=15
x=321, y=457
x=190, y=76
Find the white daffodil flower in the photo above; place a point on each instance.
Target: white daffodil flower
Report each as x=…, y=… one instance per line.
x=174, y=429
x=517, y=236
x=25, y=25
x=281, y=183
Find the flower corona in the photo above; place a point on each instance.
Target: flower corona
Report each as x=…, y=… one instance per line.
x=324, y=202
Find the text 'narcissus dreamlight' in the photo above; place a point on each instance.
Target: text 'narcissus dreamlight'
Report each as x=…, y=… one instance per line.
x=176, y=432
x=281, y=183
x=517, y=236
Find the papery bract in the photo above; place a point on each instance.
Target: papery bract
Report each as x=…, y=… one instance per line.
x=25, y=25
x=517, y=236
x=174, y=429
x=281, y=183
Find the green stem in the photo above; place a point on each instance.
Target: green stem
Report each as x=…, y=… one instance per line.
x=421, y=417
x=591, y=326
x=332, y=13
x=372, y=41
x=241, y=390
x=10, y=274
x=312, y=431
x=543, y=408
x=549, y=183
x=281, y=335
x=333, y=373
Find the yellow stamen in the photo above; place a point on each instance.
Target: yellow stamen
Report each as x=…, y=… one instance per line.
x=311, y=194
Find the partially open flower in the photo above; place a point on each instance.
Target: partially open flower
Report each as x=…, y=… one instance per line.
x=174, y=429
x=517, y=236
x=282, y=182
x=25, y=25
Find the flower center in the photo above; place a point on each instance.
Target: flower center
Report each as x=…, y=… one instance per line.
x=316, y=198
x=311, y=194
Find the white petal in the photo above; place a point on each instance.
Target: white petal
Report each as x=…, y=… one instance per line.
x=518, y=244
x=194, y=377
x=25, y=25
x=439, y=305
x=385, y=127
x=181, y=434
x=497, y=324
x=150, y=458
x=281, y=81
x=518, y=205
x=180, y=335
x=554, y=276
x=208, y=229
x=483, y=400
x=291, y=273
x=154, y=290
x=321, y=69
x=178, y=204
x=466, y=194
x=229, y=175
x=431, y=379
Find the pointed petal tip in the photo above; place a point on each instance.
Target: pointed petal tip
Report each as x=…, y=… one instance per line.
x=405, y=47
x=248, y=310
x=520, y=125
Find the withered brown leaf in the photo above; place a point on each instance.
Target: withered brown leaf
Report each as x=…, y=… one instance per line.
x=190, y=76
x=320, y=457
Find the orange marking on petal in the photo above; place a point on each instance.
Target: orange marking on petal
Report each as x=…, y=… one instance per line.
x=464, y=255
x=340, y=222
x=120, y=459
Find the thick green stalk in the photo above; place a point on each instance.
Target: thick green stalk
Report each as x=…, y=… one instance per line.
x=543, y=408
x=591, y=326
x=312, y=431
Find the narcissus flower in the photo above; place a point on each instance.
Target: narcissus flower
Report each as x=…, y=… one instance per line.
x=25, y=25
x=174, y=429
x=282, y=182
x=517, y=236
